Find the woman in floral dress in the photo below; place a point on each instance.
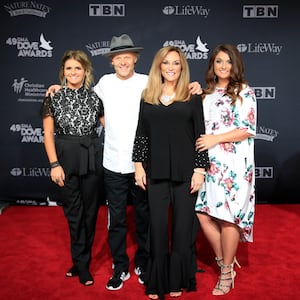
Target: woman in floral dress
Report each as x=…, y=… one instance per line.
x=225, y=203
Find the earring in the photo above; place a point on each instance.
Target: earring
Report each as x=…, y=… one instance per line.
x=83, y=81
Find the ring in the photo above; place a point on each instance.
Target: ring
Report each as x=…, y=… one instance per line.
x=136, y=183
x=202, y=145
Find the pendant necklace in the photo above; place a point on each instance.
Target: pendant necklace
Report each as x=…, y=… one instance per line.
x=166, y=98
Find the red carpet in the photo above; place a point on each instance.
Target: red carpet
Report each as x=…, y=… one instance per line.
x=34, y=255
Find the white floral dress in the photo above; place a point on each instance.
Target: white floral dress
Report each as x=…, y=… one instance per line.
x=228, y=191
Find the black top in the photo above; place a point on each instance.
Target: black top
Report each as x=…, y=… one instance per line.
x=75, y=112
x=165, y=139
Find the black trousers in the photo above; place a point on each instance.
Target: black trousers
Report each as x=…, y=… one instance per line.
x=80, y=194
x=119, y=187
x=172, y=263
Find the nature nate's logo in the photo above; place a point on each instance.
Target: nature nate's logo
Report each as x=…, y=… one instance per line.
x=197, y=50
x=26, y=48
x=98, y=48
x=27, y=8
x=266, y=134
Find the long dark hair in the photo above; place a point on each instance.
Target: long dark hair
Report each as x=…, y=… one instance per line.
x=236, y=81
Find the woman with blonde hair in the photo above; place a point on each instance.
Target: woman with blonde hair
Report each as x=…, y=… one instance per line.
x=171, y=170
x=70, y=118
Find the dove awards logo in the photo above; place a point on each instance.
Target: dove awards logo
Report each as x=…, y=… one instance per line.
x=197, y=50
x=28, y=48
x=28, y=133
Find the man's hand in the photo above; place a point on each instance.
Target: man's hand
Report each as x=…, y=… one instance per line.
x=52, y=89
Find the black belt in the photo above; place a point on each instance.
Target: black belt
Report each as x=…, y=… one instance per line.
x=87, y=151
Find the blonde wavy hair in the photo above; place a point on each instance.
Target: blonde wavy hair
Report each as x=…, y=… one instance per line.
x=154, y=88
x=83, y=59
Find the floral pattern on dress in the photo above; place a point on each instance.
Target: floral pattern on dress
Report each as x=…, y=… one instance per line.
x=229, y=189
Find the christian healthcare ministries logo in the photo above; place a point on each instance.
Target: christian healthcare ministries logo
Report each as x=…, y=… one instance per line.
x=198, y=50
x=31, y=49
x=29, y=92
x=186, y=10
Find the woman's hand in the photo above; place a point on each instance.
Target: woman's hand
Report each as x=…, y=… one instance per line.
x=58, y=176
x=195, y=88
x=196, y=182
x=206, y=141
x=140, y=175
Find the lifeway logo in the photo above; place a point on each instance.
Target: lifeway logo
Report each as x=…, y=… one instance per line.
x=27, y=8
x=186, y=10
x=28, y=133
x=107, y=10
x=98, y=48
x=260, y=11
x=31, y=49
x=260, y=48
x=195, y=51
x=32, y=91
x=266, y=134
x=267, y=93
x=30, y=172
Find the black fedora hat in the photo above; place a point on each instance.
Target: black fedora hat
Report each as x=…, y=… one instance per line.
x=121, y=44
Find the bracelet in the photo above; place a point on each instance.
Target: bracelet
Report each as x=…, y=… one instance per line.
x=199, y=172
x=54, y=164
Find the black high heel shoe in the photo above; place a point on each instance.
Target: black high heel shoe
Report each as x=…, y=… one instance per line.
x=86, y=278
x=72, y=272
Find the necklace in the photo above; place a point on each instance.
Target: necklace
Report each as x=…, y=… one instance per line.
x=166, y=98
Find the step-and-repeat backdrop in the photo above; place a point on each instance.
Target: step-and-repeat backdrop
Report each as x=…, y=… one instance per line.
x=35, y=34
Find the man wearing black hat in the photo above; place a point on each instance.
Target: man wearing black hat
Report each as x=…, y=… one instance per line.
x=121, y=93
